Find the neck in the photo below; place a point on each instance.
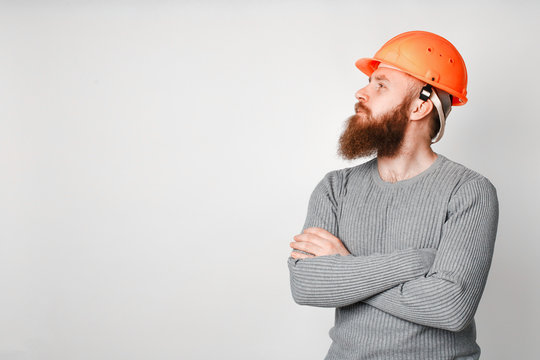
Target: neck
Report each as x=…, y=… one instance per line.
x=409, y=162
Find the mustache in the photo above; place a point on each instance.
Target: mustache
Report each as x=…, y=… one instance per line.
x=360, y=106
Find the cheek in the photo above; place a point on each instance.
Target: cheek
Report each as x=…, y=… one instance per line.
x=383, y=105
x=376, y=110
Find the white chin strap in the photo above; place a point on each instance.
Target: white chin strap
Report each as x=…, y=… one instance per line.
x=440, y=106
x=444, y=102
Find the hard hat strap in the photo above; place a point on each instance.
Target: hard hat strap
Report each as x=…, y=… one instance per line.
x=442, y=116
x=428, y=92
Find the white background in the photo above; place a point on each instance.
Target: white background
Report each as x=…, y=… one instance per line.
x=157, y=157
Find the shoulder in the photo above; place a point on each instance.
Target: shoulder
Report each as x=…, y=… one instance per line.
x=336, y=180
x=471, y=190
x=466, y=177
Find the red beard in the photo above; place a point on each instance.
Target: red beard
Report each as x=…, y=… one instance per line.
x=366, y=135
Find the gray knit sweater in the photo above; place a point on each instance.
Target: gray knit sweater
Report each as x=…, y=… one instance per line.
x=421, y=250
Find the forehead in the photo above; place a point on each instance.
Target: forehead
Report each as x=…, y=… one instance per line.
x=393, y=76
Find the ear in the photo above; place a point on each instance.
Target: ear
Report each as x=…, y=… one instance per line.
x=421, y=109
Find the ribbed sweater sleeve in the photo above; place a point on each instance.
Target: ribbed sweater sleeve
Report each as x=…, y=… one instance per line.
x=335, y=280
x=448, y=296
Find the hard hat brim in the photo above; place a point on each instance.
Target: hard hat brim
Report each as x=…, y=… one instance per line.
x=369, y=65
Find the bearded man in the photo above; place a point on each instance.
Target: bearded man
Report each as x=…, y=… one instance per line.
x=402, y=244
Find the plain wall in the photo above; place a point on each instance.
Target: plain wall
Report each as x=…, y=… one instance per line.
x=158, y=156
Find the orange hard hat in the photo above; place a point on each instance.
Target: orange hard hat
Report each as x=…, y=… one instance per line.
x=426, y=56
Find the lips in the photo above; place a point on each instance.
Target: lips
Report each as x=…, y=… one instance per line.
x=359, y=107
x=362, y=113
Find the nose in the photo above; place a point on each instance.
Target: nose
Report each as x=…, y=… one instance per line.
x=361, y=95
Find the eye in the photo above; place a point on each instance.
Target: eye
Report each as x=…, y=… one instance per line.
x=380, y=85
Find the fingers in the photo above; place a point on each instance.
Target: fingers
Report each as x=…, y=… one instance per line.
x=320, y=232
x=320, y=242
x=298, y=255
x=307, y=246
x=316, y=241
x=314, y=238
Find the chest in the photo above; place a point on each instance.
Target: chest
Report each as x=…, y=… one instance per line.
x=375, y=221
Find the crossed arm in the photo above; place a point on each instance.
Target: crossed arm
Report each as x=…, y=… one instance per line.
x=336, y=280
x=406, y=284
x=449, y=295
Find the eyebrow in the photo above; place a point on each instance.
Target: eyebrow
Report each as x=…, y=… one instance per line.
x=380, y=78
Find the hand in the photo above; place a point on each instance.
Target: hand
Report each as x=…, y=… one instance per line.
x=318, y=242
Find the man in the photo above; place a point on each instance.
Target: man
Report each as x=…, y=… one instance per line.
x=400, y=245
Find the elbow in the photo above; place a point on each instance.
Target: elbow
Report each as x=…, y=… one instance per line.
x=306, y=291
x=302, y=296
x=457, y=321
x=300, y=300
x=299, y=297
x=312, y=301
x=457, y=308
x=456, y=326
